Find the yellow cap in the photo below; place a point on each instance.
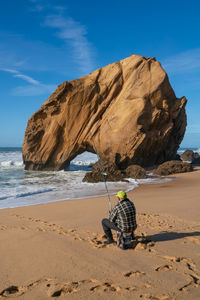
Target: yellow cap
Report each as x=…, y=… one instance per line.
x=121, y=194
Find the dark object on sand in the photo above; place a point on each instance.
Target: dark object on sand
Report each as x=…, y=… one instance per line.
x=173, y=167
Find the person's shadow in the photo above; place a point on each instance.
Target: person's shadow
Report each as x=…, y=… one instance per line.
x=168, y=236
x=160, y=237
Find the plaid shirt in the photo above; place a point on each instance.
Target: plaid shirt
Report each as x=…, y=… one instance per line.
x=124, y=215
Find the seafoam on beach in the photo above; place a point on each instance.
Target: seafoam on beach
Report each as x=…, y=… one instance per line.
x=22, y=188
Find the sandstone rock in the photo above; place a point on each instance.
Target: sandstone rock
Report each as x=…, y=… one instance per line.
x=135, y=171
x=191, y=157
x=111, y=173
x=127, y=109
x=196, y=160
x=92, y=177
x=106, y=166
x=196, y=155
x=95, y=176
x=173, y=167
x=187, y=156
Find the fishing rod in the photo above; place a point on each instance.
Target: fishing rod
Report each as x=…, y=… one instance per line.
x=103, y=177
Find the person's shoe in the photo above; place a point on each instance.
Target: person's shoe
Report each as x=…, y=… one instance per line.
x=108, y=242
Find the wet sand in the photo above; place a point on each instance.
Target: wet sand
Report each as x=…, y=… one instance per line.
x=56, y=250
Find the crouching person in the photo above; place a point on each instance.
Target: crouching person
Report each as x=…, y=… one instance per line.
x=123, y=220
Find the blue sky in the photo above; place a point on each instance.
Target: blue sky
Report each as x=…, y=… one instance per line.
x=45, y=42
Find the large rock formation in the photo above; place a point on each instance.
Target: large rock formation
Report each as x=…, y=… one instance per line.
x=127, y=109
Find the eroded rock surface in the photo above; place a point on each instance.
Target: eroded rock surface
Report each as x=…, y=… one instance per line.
x=111, y=173
x=173, y=167
x=190, y=157
x=127, y=109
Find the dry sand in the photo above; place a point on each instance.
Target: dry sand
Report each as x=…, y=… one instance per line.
x=56, y=251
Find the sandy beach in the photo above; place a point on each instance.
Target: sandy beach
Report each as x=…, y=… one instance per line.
x=56, y=251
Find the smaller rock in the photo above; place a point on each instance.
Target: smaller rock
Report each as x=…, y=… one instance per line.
x=196, y=155
x=191, y=157
x=105, y=165
x=187, y=156
x=111, y=173
x=117, y=175
x=173, y=167
x=92, y=177
x=196, y=160
x=135, y=171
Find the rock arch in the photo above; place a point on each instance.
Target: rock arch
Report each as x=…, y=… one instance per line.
x=127, y=109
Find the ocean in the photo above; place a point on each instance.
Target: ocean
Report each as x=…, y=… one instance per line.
x=19, y=187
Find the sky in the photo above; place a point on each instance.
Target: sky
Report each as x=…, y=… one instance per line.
x=46, y=42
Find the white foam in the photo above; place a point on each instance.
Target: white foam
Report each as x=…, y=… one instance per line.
x=83, y=163
x=198, y=150
x=11, y=163
x=24, y=188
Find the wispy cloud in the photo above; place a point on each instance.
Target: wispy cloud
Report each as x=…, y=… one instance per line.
x=73, y=33
x=27, y=78
x=72, y=58
x=186, y=61
x=17, y=74
x=33, y=90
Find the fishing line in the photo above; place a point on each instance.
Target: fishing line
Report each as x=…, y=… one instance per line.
x=103, y=177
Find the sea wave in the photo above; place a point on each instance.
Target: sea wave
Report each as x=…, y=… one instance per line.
x=88, y=163
x=11, y=163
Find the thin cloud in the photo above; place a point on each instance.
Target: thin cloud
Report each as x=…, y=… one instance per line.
x=33, y=90
x=74, y=34
x=183, y=62
x=27, y=78
x=17, y=74
x=9, y=70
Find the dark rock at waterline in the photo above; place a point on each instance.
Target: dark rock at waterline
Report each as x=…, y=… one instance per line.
x=106, y=166
x=190, y=157
x=96, y=176
x=173, y=167
x=92, y=177
x=135, y=171
x=187, y=156
x=196, y=155
x=111, y=173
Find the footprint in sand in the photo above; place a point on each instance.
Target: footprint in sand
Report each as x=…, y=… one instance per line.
x=105, y=287
x=156, y=297
x=57, y=291
x=3, y=227
x=164, y=268
x=96, y=240
x=134, y=274
x=188, y=262
x=12, y=290
x=15, y=291
x=194, y=282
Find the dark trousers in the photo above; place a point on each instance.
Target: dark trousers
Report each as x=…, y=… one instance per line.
x=107, y=226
